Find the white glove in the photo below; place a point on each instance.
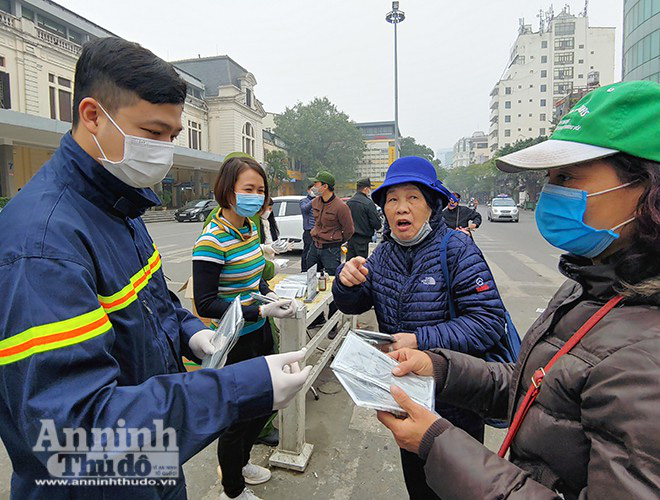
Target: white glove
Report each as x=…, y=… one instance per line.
x=273, y=295
x=283, y=308
x=277, y=269
x=268, y=251
x=281, y=246
x=200, y=343
x=286, y=376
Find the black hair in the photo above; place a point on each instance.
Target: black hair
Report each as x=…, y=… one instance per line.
x=117, y=72
x=639, y=260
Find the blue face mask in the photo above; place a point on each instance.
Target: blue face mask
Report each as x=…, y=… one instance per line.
x=560, y=219
x=248, y=204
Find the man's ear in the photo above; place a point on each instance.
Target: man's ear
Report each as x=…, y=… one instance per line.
x=88, y=114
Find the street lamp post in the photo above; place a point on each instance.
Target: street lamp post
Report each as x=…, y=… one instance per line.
x=395, y=17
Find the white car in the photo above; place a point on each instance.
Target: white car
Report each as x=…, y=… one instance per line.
x=502, y=208
x=289, y=219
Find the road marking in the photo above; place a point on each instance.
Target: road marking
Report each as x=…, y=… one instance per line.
x=544, y=271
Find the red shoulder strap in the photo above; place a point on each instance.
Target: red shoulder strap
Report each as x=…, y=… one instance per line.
x=537, y=378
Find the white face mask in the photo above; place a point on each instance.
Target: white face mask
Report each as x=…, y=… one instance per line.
x=145, y=162
x=421, y=235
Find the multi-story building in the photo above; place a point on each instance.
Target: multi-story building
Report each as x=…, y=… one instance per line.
x=379, y=150
x=641, y=40
x=40, y=42
x=544, y=66
x=470, y=150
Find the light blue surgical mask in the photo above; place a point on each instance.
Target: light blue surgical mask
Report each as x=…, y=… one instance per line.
x=248, y=204
x=560, y=219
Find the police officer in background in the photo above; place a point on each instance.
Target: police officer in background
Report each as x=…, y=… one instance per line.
x=365, y=219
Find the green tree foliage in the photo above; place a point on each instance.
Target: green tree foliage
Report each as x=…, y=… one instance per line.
x=409, y=147
x=322, y=138
x=277, y=164
x=486, y=180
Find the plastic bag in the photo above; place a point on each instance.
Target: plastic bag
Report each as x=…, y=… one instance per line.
x=366, y=374
x=226, y=335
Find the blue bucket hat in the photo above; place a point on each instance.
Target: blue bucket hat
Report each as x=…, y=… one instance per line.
x=412, y=169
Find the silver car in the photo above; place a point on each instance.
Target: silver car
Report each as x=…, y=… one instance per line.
x=503, y=209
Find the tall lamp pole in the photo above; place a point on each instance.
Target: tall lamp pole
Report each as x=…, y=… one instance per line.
x=395, y=17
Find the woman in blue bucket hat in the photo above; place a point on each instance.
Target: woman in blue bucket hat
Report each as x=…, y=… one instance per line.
x=403, y=281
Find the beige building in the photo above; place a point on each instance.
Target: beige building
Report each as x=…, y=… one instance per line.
x=40, y=42
x=544, y=66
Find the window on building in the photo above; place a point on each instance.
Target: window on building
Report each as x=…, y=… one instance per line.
x=530, y=115
x=5, y=95
x=507, y=90
x=27, y=13
x=2, y=61
x=59, y=95
x=248, y=139
x=519, y=60
x=531, y=86
x=543, y=103
x=51, y=25
x=544, y=88
x=507, y=144
x=507, y=104
x=592, y=52
x=564, y=58
x=580, y=61
x=542, y=131
x=519, y=101
x=581, y=46
x=563, y=88
x=5, y=6
x=507, y=133
x=564, y=28
x=544, y=59
x=580, y=76
x=76, y=37
x=248, y=98
x=564, y=73
x=544, y=44
x=507, y=118
x=530, y=129
x=544, y=73
x=194, y=135
x=542, y=117
x=564, y=43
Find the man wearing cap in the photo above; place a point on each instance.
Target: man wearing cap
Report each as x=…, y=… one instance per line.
x=333, y=226
x=365, y=219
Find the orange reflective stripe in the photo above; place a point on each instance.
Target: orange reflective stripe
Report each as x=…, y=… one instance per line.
x=127, y=295
x=54, y=336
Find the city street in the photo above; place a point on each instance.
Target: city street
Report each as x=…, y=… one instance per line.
x=354, y=456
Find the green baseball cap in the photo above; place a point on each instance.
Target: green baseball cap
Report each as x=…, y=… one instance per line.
x=324, y=177
x=623, y=117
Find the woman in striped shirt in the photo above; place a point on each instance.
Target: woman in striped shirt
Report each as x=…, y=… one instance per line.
x=227, y=263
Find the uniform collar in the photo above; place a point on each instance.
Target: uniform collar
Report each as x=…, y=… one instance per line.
x=95, y=183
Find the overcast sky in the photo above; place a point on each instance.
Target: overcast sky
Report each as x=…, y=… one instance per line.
x=451, y=53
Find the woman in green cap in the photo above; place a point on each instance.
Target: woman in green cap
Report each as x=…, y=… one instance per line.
x=583, y=399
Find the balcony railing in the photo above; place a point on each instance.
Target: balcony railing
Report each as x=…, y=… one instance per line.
x=7, y=20
x=58, y=41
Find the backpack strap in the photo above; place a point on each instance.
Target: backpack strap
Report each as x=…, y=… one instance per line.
x=445, y=272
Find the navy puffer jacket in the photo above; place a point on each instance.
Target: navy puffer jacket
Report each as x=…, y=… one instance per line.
x=406, y=287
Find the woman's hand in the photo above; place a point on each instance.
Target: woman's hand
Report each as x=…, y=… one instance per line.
x=354, y=272
x=408, y=432
x=401, y=341
x=412, y=361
